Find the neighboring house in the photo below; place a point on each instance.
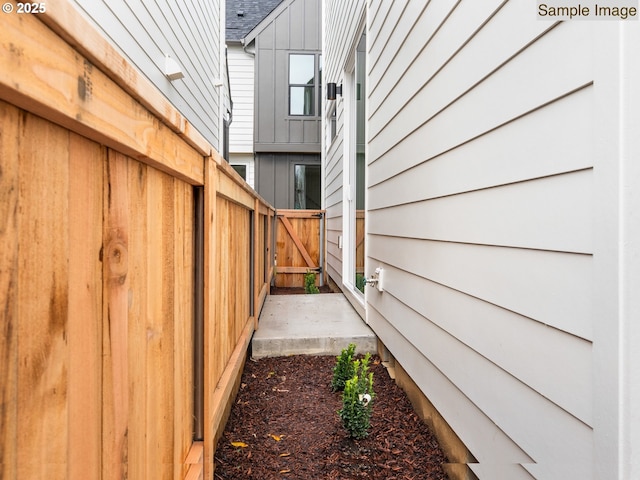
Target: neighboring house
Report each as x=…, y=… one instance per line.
x=146, y=33
x=283, y=49
x=242, y=16
x=501, y=170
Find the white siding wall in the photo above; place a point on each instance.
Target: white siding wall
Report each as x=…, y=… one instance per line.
x=246, y=159
x=341, y=20
x=241, y=72
x=629, y=198
x=189, y=31
x=484, y=208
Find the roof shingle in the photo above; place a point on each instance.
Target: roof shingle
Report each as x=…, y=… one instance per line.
x=244, y=15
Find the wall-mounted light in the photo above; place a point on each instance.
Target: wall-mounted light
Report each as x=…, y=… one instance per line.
x=333, y=90
x=172, y=69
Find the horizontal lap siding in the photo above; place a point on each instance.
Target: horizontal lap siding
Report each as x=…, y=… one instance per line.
x=241, y=72
x=481, y=208
x=145, y=33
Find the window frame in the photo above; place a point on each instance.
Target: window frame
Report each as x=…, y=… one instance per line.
x=316, y=96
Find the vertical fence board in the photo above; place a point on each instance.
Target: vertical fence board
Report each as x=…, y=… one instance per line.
x=240, y=272
x=162, y=346
x=86, y=165
x=183, y=336
x=151, y=330
x=117, y=278
x=142, y=269
x=43, y=300
x=9, y=177
x=223, y=302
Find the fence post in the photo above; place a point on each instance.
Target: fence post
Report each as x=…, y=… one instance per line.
x=210, y=261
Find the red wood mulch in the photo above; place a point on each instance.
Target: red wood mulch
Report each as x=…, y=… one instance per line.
x=285, y=414
x=297, y=290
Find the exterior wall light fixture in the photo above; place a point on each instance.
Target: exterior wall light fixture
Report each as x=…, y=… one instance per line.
x=172, y=69
x=333, y=90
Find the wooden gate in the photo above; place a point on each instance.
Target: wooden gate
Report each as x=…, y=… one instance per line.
x=299, y=247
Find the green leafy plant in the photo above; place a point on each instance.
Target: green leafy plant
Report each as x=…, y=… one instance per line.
x=344, y=368
x=361, y=281
x=310, y=283
x=357, y=400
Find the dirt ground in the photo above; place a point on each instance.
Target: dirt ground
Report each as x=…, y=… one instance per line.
x=298, y=290
x=284, y=425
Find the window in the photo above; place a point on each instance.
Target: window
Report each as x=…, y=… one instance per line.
x=307, y=187
x=355, y=101
x=241, y=169
x=304, y=84
x=332, y=125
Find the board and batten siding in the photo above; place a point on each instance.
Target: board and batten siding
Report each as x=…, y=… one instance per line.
x=342, y=22
x=189, y=32
x=292, y=27
x=481, y=211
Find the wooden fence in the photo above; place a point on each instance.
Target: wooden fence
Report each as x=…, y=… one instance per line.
x=299, y=246
x=133, y=265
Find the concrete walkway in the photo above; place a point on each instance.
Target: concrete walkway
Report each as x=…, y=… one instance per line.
x=321, y=324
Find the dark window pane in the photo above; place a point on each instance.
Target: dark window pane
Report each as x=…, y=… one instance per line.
x=241, y=169
x=307, y=187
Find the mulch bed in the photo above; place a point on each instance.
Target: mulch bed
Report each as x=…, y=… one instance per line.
x=285, y=418
x=297, y=290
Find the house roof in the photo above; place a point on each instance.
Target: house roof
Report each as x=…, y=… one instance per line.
x=244, y=15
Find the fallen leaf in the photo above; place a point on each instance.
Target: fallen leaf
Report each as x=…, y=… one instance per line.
x=277, y=438
x=239, y=444
x=285, y=470
x=284, y=454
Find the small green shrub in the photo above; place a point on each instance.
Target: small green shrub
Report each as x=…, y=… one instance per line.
x=357, y=400
x=344, y=369
x=361, y=281
x=310, y=283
